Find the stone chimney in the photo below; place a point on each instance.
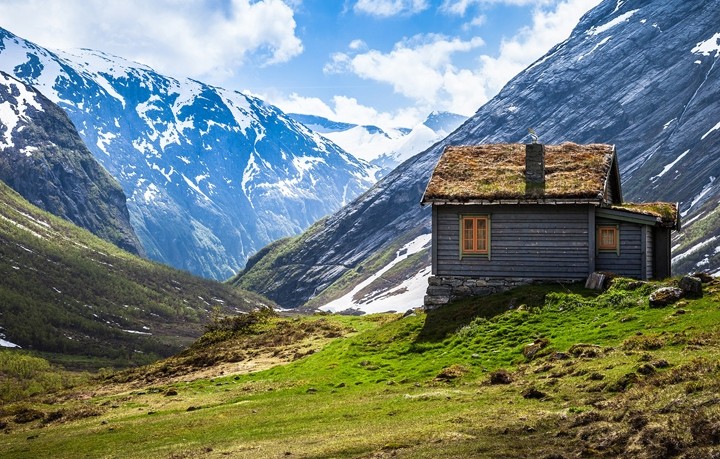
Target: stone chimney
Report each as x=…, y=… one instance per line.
x=535, y=165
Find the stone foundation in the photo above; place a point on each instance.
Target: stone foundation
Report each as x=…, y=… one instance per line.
x=445, y=289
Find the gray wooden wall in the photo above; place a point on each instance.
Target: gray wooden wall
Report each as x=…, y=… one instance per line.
x=533, y=241
x=629, y=262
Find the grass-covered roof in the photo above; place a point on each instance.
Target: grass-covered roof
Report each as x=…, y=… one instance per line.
x=667, y=213
x=497, y=172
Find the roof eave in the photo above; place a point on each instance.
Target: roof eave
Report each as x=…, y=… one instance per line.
x=641, y=217
x=494, y=202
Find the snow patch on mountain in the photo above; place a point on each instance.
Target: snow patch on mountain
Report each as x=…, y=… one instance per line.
x=598, y=45
x=407, y=295
x=712, y=129
x=667, y=168
x=612, y=23
x=697, y=199
x=12, y=112
x=5, y=343
x=104, y=139
x=709, y=46
x=694, y=249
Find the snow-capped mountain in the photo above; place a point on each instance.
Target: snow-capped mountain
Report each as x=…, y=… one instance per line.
x=643, y=75
x=43, y=158
x=211, y=175
x=436, y=127
x=384, y=148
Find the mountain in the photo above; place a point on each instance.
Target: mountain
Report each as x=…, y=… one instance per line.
x=436, y=127
x=384, y=148
x=322, y=125
x=211, y=175
x=43, y=158
x=66, y=292
x=639, y=74
x=444, y=121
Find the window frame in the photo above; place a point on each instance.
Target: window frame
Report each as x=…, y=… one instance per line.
x=607, y=248
x=475, y=252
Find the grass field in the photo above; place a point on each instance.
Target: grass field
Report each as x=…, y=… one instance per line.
x=542, y=371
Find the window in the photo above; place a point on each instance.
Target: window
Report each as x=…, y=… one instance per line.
x=474, y=235
x=607, y=239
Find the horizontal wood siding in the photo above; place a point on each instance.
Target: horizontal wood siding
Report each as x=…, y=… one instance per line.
x=649, y=249
x=531, y=241
x=629, y=262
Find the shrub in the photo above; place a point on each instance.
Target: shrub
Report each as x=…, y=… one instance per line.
x=241, y=323
x=452, y=372
x=565, y=301
x=500, y=377
x=643, y=343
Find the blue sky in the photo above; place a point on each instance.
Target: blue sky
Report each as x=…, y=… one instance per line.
x=385, y=62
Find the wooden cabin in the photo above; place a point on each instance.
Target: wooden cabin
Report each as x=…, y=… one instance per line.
x=508, y=214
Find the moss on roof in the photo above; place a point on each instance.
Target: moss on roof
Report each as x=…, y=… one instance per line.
x=667, y=212
x=497, y=171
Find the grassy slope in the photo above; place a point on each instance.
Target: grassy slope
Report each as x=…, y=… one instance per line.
x=68, y=293
x=617, y=378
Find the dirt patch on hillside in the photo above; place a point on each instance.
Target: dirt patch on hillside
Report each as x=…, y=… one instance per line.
x=278, y=343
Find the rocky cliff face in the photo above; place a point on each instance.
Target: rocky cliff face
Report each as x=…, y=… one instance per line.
x=43, y=158
x=639, y=74
x=211, y=175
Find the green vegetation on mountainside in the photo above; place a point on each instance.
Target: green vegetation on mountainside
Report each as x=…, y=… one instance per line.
x=61, y=175
x=271, y=262
x=540, y=371
x=66, y=292
x=697, y=237
x=374, y=263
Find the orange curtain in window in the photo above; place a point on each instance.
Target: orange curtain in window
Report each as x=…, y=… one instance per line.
x=475, y=235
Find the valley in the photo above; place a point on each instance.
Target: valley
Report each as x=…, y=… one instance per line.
x=84, y=302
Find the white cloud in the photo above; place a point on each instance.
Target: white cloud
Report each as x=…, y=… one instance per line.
x=422, y=68
x=530, y=43
x=357, y=45
x=202, y=39
x=477, y=21
x=418, y=68
x=348, y=109
x=460, y=7
x=387, y=8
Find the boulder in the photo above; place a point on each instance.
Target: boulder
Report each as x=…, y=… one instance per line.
x=500, y=377
x=596, y=281
x=691, y=285
x=665, y=296
x=704, y=277
x=434, y=301
x=531, y=350
x=533, y=393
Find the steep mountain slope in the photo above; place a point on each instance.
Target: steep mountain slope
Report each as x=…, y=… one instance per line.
x=212, y=175
x=43, y=158
x=639, y=74
x=65, y=291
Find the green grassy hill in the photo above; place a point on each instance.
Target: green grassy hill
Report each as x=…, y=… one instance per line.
x=65, y=292
x=543, y=371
